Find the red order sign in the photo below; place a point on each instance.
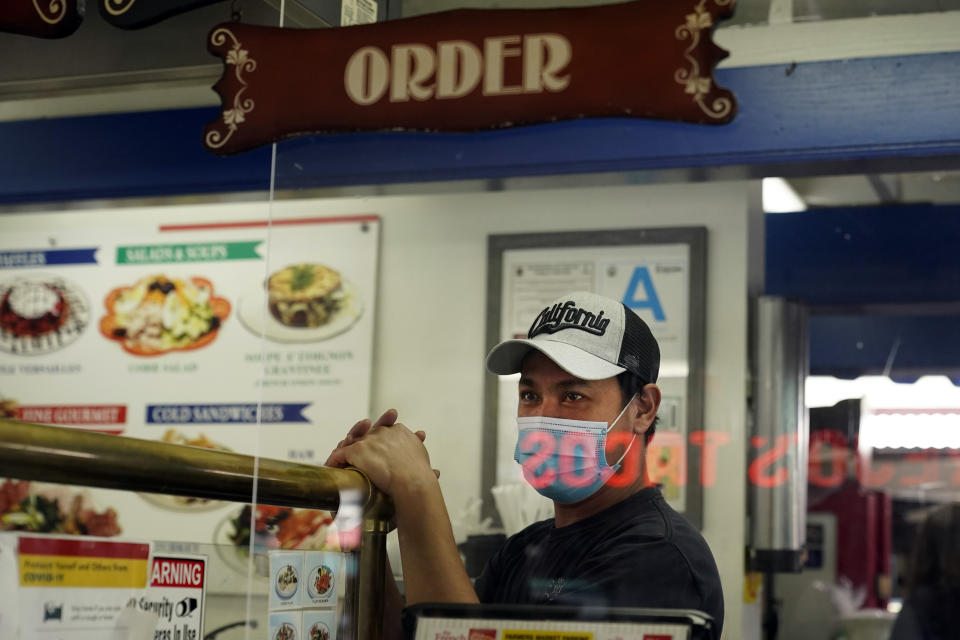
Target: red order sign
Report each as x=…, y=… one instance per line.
x=469, y=69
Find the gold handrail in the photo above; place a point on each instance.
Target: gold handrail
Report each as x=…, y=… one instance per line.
x=73, y=456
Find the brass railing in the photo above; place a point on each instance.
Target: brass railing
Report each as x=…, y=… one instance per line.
x=77, y=457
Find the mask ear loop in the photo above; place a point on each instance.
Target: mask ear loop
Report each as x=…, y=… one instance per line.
x=616, y=420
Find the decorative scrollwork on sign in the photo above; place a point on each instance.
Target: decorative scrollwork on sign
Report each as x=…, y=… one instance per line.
x=693, y=83
x=117, y=7
x=241, y=59
x=54, y=13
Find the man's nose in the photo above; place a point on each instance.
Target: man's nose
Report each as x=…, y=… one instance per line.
x=548, y=407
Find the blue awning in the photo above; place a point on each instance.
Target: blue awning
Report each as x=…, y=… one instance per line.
x=883, y=284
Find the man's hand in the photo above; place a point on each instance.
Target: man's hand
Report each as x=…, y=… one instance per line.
x=360, y=429
x=397, y=463
x=387, y=452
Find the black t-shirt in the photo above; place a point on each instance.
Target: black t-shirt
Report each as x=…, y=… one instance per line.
x=637, y=553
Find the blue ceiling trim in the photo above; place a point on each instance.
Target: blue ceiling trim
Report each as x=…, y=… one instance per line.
x=120, y=155
x=897, y=255
x=850, y=111
x=903, y=347
x=865, y=255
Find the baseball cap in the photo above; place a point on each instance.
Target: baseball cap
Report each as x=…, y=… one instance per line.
x=587, y=335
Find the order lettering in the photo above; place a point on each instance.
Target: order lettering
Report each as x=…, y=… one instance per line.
x=455, y=68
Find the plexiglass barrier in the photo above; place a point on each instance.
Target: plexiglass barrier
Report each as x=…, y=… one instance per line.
x=250, y=582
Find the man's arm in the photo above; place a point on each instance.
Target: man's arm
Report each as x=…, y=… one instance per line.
x=395, y=460
x=432, y=569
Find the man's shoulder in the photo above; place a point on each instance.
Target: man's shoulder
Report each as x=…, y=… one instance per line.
x=652, y=533
x=649, y=514
x=531, y=534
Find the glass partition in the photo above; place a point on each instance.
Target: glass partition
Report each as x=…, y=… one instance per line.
x=260, y=328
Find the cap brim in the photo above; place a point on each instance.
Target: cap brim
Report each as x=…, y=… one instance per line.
x=507, y=358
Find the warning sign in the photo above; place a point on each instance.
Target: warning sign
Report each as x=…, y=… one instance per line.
x=175, y=595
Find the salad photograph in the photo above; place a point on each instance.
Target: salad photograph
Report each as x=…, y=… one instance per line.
x=158, y=315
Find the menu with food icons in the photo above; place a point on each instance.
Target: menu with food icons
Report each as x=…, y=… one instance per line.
x=286, y=579
x=232, y=327
x=305, y=592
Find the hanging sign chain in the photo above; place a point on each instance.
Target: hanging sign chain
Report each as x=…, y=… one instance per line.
x=236, y=11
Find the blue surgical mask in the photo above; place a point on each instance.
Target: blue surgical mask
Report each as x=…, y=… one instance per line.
x=566, y=460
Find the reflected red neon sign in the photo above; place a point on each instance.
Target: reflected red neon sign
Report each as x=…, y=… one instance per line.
x=828, y=466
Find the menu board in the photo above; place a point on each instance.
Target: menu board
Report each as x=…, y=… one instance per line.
x=224, y=333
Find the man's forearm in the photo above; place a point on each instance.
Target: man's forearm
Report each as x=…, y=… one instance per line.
x=432, y=569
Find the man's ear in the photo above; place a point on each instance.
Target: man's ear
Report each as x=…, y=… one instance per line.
x=648, y=403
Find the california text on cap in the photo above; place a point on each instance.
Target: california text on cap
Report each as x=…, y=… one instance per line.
x=589, y=336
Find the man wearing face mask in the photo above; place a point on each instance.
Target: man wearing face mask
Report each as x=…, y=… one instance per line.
x=587, y=396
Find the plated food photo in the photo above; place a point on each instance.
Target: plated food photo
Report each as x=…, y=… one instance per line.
x=285, y=631
x=26, y=506
x=186, y=503
x=300, y=303
x=283, y=528
x=286, y=581
x=8, y=407
x=274, y=528
x=157, y=315
x=318, y=631
x=320, y=581
x=40, y=314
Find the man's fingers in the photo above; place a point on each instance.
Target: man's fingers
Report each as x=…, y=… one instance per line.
x=388, y=418
x=338, y=458
x=420, y=434
x=436, y=472
x=357, y=430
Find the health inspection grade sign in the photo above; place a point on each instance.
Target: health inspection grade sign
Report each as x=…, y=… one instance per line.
x=469, y=70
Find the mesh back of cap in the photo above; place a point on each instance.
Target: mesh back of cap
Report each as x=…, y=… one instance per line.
x=639, y=351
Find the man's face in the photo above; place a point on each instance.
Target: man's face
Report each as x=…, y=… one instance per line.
x=547, y=390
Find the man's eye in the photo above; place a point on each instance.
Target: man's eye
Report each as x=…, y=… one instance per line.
x=572, y=396
x=528, y=396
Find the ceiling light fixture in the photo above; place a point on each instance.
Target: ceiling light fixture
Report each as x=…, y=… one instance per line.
x=780, y=197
